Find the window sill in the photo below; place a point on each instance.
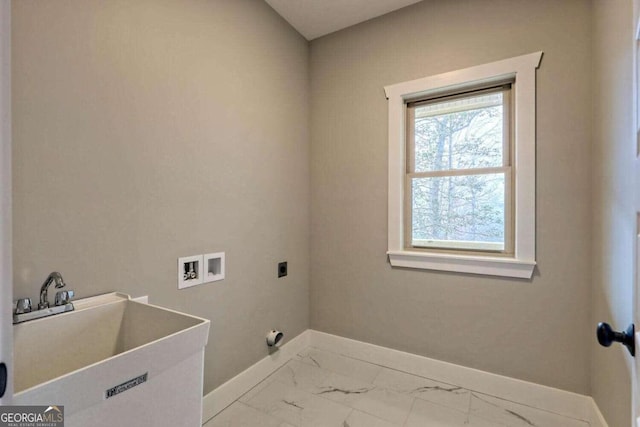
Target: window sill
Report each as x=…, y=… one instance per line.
x=485, y=265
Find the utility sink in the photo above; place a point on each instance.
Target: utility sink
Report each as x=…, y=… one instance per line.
x=113, y=361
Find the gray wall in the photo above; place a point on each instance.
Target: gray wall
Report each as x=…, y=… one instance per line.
x=535, y=330
x=151, y=129
x=613, y=197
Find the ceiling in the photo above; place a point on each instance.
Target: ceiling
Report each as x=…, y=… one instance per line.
x=315, y=18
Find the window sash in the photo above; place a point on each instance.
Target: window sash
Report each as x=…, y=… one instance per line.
x=448, y=245
x=508, y=247
x=458, y=172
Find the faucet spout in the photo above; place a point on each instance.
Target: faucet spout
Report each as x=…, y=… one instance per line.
x=54, y=278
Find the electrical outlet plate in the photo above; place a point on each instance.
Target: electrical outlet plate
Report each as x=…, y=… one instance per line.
x=213, y=267
x=282, y=269
x=190, y=266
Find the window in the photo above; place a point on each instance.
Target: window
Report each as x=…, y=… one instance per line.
x=462, y=170
x=457, y=192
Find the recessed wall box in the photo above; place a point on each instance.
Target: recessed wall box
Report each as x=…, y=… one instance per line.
x=190, y=271
x=213, y=267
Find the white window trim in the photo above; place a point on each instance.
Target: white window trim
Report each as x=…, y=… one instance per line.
x=522, y=263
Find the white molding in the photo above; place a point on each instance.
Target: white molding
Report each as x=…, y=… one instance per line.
x=485, y=73
x=547, y=398
x=143, y=299
x=493, y=266
x=227, y=393
x=523, y=70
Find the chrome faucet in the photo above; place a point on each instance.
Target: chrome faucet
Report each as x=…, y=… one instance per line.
x=22, y=308
x=54, y=277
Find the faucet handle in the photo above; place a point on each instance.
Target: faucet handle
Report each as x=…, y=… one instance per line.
x=64, y=297
x=23, y=305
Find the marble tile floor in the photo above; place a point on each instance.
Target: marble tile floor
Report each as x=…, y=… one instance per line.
x=324, y=389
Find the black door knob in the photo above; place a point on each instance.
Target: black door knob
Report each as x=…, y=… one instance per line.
x=606, y=336
x=3, y=379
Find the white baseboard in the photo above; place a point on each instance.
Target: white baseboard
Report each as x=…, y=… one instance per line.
x=542, y=397
x=231, y=390
x=547, y=398
x=596, y=419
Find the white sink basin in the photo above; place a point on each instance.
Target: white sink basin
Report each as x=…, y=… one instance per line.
x=73, y=359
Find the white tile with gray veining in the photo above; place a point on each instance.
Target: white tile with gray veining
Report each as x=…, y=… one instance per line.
x=241, y=415
x=380, y=402
x=507, y=413
x=301, y=375
x=324, y=389
x=444, y=394
x=425, y=413
x=298, y=407
x=351, y=392
x=340, y=364
x=362, y=419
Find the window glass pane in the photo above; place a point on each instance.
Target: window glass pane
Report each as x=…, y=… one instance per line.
x=465, y=212
x=459, y=133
